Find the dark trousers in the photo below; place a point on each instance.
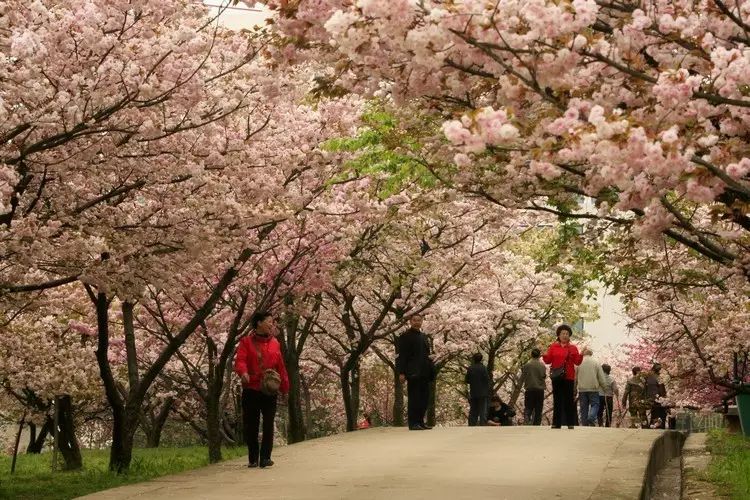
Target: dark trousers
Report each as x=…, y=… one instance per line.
x=253, y=404
x=418, y=391
x=658, y=416
x=477, y=411
x=563, y=403
x=605, y=409
x=533, y=401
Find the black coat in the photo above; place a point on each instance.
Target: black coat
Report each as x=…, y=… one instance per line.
x=479, y=381
x=413, y=355
x=503, y=415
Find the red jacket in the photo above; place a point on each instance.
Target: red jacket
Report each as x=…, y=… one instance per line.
x=556, y=355
x=246, y=361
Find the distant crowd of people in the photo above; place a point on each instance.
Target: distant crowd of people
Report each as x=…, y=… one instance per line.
x=571, y=373
x=260, y=365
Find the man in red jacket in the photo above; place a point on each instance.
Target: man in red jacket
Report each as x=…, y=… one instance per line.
x=256, y=353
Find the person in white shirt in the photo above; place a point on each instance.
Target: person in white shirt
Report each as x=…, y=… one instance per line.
x=607, y=397
x=590, y=378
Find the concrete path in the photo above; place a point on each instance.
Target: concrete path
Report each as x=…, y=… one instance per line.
x=444, y=463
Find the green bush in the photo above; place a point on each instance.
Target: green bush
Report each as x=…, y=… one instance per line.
x=730, y=464
x=35, y=480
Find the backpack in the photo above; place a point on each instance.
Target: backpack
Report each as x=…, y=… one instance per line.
x=270, y=380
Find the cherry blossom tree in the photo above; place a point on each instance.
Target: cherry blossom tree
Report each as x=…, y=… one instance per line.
x=48, y=367
x=128, y=159
x=293, y=262
x=638, y=105
x=691, y=316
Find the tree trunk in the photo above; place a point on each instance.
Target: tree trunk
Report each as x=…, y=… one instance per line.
x=32, y=435
x=296, y=334
x=307, y=396
x=123, y=434
x=239, y=419
x=350, y=397
x=156, y=426
x=491, y=353
x=67, y=442
x=229, y=430
x=119, y=453
x=153, y=437
x=516, y=392
x=213, y=427
x=214, y=387
x=36, y=441
x=355, y=393
x=398, y=401
x=296, y=430
x=15, y=446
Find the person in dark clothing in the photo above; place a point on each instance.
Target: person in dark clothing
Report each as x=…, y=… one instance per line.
x=500, y=414
x=416, y=369
x=533, y=375
x=655, y=390
x=479, y=390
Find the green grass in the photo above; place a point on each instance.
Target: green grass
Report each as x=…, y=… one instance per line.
x=34, y=480
x=730, y=463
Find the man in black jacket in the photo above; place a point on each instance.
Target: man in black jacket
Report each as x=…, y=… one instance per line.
x=479, y=390
x=416, y=369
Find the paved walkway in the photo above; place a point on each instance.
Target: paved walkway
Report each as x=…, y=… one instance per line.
x=444, y=463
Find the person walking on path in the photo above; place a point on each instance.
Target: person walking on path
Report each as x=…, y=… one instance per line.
x=479, y=390
x=607, y=397
x=260, y=366
x=655, y=390
x=563, y=357
x=590, y=378
x=533, y=375
x=416, y=369
x=633, y=398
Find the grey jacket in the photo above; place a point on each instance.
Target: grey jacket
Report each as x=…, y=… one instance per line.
x=533, y=375
x=590, y=376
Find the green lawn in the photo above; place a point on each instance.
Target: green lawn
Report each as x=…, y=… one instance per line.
x=34, y=480
x=730, y=464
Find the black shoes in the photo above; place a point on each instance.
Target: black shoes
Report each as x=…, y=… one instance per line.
x=426, y=427
x=571, y=427
x=416, y=428
x=555, y=426
x=266, y=463
x=252, y=465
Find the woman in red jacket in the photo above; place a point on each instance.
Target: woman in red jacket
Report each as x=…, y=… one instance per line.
x=249, y=365
x=563, y=354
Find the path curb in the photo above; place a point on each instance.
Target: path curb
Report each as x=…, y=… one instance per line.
x=665, y=448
